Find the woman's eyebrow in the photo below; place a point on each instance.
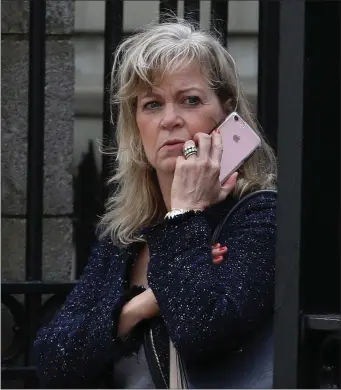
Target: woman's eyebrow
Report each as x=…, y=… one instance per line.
x=190, y=89
x=152, y=93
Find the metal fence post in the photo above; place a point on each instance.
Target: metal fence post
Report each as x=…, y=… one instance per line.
x=167, y=7
x=219, y=18
x=35, y=162
x=192, y=10
x=290, y=131
x=113, y=34
x=268, y=62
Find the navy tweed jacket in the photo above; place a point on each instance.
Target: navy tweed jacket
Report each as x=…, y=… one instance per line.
x=205, y=308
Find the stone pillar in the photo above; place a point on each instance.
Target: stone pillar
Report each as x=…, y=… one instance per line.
x=59, y=118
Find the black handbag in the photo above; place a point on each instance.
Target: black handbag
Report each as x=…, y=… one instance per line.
x=249, y=367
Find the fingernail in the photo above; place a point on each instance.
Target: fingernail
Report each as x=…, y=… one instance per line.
x=217, y=258
x=223, y=248
x=217, y=131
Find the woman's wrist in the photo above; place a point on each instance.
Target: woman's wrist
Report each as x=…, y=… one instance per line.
x=175, y=211
x=143, y=306
x=148, y=305
x=181, y=205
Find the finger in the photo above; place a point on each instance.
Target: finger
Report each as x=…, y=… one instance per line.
x=218, y=260
x=204, y=142
x=219, y=251
x=216, y=147
x=230, y=183
x=215, y=252
x=217, y=245
x=179, y=160
x=188, y=144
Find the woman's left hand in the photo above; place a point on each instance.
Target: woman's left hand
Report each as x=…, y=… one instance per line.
x=145, y=306
x=196, y=180
x=141, y=307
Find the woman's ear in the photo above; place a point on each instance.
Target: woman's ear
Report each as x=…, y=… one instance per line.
x=228, y=108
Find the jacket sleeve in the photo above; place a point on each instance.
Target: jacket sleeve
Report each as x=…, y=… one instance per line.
x=71, y=351
x=206, y=306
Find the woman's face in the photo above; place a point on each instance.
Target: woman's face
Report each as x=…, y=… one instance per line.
x=179, y=106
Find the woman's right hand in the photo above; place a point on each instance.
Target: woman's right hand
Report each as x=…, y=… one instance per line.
x=196, y=183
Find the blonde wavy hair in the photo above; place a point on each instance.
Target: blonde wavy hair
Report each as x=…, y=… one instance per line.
x=165, y=47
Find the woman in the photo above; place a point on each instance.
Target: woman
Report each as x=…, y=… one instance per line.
x=151, y=277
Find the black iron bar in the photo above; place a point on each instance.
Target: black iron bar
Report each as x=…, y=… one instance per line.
x=167, y=7
x=192, y=10
x=15, y=373
x=219, y=18
x=36, y=287
x=289, y=205
x=35, y=165
x=113, y=34
x=46, y=216
x=268, y=62
x=325, y=322
x=35, y=159
x=321, y=150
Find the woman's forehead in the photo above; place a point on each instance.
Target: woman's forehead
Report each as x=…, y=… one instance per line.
x=190, y=77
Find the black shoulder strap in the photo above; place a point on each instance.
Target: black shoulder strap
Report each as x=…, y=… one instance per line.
x=218, y=229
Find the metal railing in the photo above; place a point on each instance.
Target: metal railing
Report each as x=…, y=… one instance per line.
x=284, y=28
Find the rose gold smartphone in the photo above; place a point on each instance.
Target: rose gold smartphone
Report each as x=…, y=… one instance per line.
x=239, y=142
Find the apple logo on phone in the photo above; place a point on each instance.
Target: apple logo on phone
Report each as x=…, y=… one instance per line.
x=236, y=138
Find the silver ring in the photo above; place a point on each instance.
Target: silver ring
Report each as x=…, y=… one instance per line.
x=189, y=151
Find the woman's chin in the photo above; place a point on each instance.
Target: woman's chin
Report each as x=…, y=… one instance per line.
x=167, y=166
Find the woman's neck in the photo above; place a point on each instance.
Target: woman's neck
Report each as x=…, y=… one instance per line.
x=165, y=182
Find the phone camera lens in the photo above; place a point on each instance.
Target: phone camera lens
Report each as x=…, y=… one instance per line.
x=236, y=118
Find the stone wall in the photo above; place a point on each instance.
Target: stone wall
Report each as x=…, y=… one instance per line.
x=58, y=249
x=59, y=126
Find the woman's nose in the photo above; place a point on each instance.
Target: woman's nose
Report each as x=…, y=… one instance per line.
x=171, y=117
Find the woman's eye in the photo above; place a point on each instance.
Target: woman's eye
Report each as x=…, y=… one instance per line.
x=192, y=100
x=151, y=105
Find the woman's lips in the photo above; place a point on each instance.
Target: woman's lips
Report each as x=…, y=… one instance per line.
x=174, y=146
